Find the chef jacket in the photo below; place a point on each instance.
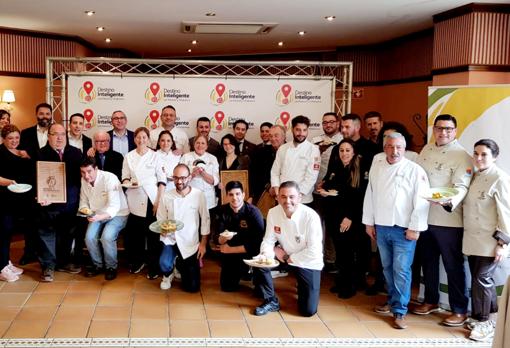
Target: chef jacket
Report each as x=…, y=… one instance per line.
x=180, y=138
x=211, y=167
x=168, y=162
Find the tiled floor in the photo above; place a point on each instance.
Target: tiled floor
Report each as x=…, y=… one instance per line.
x=133, y=307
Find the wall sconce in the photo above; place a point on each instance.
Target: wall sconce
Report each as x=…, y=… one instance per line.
x=7, y=99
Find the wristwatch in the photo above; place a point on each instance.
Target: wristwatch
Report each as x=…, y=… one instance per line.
x=286, y=257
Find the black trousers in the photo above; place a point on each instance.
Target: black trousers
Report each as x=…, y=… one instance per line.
x=232, y=270
x=308, y=284
x=447, y=243
x=190, y=272
x=483, y=288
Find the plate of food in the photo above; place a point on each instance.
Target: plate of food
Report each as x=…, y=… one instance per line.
x=85, y=212
x=166, y=226
x=261, y=261
x=228, y=234
x=440, y=194
x=130, y=184
x=328, y=192
x=19, y=188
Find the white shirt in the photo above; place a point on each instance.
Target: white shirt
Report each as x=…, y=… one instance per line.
x=300, y=236
x=211, y=167
x=447, y=166
x=147, y=171
x=335, y=139
x=192, y=211
x=106, y=196
x=120, y=143
x=299, y=163
x=76, y=142
x=395, y=194
x=486, y=210
x=180, y=138
x=168, y=162
x=42, y=136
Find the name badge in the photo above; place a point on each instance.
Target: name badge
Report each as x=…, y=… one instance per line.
x=277, y=229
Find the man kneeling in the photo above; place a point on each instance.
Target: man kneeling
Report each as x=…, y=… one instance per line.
x=104, y=203
x=297, y=229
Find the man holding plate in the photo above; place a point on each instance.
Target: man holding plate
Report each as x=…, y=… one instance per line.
x=242, y=228
x=297, y=229
x=189, y=206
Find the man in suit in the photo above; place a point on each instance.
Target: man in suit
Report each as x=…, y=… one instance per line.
x=122, y=139
x=57, y=220
x=107, y=159
x=75, y=135
x=245, y=147
x=34, y=138
x=204, y=128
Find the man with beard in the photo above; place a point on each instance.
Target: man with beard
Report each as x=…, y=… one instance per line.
x=350, y=128
x=204, y=128
x=75, y=135
x=240, y=129
x=373, y=123
x=168, y=118
x=297, y=161
x=34, y=138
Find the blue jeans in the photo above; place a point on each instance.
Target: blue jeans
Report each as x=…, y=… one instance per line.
x=167, y=259
x=397, y=255
x=109, y=231
x=189, y=267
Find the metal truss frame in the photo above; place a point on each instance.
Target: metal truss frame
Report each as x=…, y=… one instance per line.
x=58, y=68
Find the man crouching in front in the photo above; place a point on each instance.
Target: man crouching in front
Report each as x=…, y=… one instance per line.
x=297, y=229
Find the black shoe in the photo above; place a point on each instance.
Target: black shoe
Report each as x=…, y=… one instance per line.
x=267, y=306
x=93, y=271
x=135, y=269
x=152, y=275
x=330, y=267
x=346, y=293
x=69, y=268
x=110, y=274
x=26, y=259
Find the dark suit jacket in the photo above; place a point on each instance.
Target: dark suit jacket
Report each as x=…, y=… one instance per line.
x=87, y=143
x=248, y=148
x=213, y=147
x=28, y=141
x=131, y=139
x=112, y=162
x=72, y=158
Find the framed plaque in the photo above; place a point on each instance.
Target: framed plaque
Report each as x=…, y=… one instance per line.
x=234, y=175
x=51, y=182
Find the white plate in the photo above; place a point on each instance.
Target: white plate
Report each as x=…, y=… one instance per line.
x=19, y=188
x=228, y=234
x=257, y=264
x=84, y=215
x=130, y=186
x=329, y=192
x=155, y=226
x=446, y=194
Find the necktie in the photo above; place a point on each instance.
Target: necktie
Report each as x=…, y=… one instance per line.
x=60, y=154
x=101, y=159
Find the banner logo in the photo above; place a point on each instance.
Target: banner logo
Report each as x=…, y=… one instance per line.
x=152, y=120
x=219, y=121
x=87, y=93
x=219, y=95
x=153, y=94
x=284, y=96
x=283, y=120
x=90, y=120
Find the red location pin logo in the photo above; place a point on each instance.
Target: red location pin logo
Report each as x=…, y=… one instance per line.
x=285, y=117
x=88, y=86
x=88, y=114
x=220, y=89
x=286, y=91
x=154, y=87
x=154, y=115
x=219, y=116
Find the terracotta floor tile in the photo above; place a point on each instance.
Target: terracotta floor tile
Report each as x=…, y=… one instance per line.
x=308, y=329
x=85, y=286
x=4, y=325
x=150, y=312
x=430, y=330
x=37, y=313
x=384, y=329
x=53, y=287
x=249, y=316
x=20, y=286
x=80, y=299
x=106, y=328
x=9, y=313
x=69, y=312
x=189, y=328
x=149, y=328
x=459, y=332
x=115, y=299
x=148, y=286
x=63, y=276
x=150, y=299
x=223, y=313
x=112, y=313
x=292, y=314
x=13, y=299
x=19, y=329
x=366, y=313
x=349, y=329
x=229, y=328
x=335, y=313
x=65, y=329
x=177, y=296
x=119, y=286
x=187, y=312
x=44, y=299
x=269, y=328
x=219, y=299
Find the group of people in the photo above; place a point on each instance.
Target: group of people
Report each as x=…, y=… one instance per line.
x=331, y=197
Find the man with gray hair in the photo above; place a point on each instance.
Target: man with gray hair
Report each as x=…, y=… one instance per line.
x=394, y=213
x=106, y=159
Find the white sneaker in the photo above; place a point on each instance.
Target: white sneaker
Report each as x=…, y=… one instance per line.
x=8, y=275
x=176, y=273
x=16, y=270
x=166, y=282
x=483, y=331
x=279, y=274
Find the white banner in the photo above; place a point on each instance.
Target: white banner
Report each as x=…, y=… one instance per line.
x=222, y=100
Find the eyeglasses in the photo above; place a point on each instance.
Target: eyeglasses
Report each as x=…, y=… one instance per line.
x=101, y=141
x=447, y=129
x=328, y=122
x=181, y=178
x=118, y=118
x=57, y=134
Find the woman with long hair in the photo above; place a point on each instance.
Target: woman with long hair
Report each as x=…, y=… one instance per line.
x=168, y=160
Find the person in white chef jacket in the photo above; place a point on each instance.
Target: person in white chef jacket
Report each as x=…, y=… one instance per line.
x=298, y=161
x=394, y=213
x=204, y=170
x=102, y=194
x=168, y=118
x=168, y=159
x=187, y=205
x=298, y=230
x=142, y=171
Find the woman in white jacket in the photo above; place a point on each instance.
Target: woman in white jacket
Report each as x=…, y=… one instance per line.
x=143, y=173
x=486, y=234
x=168, y=160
